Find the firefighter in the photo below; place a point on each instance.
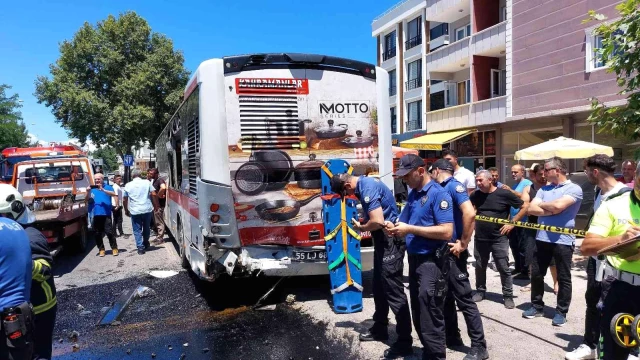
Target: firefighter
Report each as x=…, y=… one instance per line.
x=43, y=290
x=16, y=317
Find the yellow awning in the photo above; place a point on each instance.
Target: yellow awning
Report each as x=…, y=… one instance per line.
x=434, y=141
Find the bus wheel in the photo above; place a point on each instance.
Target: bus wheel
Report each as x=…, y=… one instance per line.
x=621, y=330
x=635, y=329
x=183, y=251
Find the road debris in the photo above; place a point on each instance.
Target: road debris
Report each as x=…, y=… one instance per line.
x=74, y=335
x=183, y=356
x=143, y=292
x=268, y=292
x=118, y=307
x=80, y=307
x=205, y=350
x=267, y=308
x=163, y=274
x=116, y=323
x=185, y=344
x=153, y=355
x=75, y=347
x=169, y=347
x=290, y=299
x=105, y=309
x=85, y=313
x=61, y=340
x=128, y=351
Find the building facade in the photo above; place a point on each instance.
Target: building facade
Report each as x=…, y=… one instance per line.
x=514, y=73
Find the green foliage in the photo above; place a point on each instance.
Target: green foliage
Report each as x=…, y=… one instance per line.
x=115, y=83
x=109, y=157
x=620, y=46
x=12, y=129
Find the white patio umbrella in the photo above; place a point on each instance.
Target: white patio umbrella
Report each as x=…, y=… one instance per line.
x=563, y=147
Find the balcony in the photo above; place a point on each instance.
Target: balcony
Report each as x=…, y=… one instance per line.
x=393, y=90
x=394, y=124
x=395, y=14
x=451, y=58
x=449, y=118
x=411, y=43
x=487, y=112
x=439, y=42
x=389, y=54
x=413, y=83
x=447, y=11
x=490, y=41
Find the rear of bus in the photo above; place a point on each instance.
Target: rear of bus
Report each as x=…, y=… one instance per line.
x=284, y=116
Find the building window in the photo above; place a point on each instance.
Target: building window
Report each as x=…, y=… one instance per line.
x=450, y=94
x=389, y=46
x=439, y=30
x=394, y=121
x=414, y=115
x=463, y=32
x=503, y=13
x=414, y=71
x=414, y=33
x=392, y=83
x=594, y=45
x=498, y=83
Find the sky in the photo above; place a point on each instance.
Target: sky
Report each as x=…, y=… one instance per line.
x=31, y=32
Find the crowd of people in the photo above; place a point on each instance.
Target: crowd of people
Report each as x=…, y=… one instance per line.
x=438, y=222
x=28, y=303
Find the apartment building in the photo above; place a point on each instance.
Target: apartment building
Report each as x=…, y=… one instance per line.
x=489, y=77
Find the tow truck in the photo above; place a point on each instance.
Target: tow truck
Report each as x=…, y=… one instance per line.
x=53, y=185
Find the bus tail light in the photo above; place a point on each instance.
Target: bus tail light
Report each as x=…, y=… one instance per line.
x=215, y=218
x=214, y=207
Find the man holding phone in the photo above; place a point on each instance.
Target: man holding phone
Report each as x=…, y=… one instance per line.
x=380, y=210
x=616, y=221
x=99, y=200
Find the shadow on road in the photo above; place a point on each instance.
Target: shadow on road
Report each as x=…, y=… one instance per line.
x=68, y=260
x=573, y=340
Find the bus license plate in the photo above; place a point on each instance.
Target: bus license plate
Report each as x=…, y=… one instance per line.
x=310, y=256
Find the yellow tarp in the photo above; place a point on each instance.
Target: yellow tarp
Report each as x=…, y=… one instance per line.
x=434, y=141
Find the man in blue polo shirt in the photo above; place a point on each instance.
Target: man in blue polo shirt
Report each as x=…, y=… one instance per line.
x=99, y=199
x=426, y=222
x=556, y=205
x=379, y=207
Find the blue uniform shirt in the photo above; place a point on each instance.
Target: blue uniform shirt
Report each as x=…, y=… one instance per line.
x=459, y=196
x=428, y=206
x=15, y=264
x=101, y=201
x=374, y=194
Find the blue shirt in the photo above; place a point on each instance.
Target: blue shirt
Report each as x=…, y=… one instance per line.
x=520, y=188
x=373, y=194
x=428, y=206
x=15, y=264
x=139, y=193
x=101, y=201
x=563, y=219
x=459, y=196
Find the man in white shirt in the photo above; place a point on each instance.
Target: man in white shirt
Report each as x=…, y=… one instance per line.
x=599, y=170
x=140, y=201
x=116, y=203
x=463, y=175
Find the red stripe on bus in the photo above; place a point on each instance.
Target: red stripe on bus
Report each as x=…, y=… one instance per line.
x=185, y=202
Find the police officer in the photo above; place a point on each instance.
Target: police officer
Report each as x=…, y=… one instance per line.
x=426, y=222
x=459, y=286
x=379, y=207
x=615, y=221
x=43, y=290
x=15, y=275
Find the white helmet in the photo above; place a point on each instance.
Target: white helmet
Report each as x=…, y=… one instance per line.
x=11, y=205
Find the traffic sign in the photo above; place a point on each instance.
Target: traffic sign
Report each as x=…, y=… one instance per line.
x=128, y=160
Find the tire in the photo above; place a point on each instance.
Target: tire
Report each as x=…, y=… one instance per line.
x=184, y=262
x=635, y=329
x=80, y=240
x=621, y=330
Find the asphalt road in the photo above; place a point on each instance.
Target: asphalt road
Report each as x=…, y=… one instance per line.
x=218, y=320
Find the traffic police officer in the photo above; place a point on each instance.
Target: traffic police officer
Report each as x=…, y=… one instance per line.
x=15, y=275
x=43, y=290
x=426, y=222
x=615, y=221
x=379, y=207
x=459, y=286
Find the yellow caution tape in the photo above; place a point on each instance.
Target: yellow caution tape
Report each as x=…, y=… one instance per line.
x=549, y=228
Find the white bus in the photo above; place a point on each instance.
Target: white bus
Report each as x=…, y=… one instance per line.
x=242, y=158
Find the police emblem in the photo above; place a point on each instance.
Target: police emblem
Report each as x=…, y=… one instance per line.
x=424, y=200
x=366, y=199
x=444, y=205
x=460, y=189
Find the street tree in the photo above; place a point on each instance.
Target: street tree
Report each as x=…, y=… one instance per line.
x=115, y=83
x=621, y=50
x=108, y=156
x=13, y=132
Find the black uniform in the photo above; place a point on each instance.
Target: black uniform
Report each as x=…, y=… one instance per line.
x=459, y=285
x=388, y=264
x=43, y=294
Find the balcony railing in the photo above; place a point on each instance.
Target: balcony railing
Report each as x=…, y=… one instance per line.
x=413, y=42
x=392, y=90
x=439, y=42
x=394, y=124
x=389, y=54
x=414, y=83
x=415, y=124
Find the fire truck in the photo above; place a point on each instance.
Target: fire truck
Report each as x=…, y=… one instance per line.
x=53, y=182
